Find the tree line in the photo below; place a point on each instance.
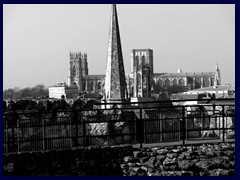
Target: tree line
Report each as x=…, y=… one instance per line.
x=36, y=92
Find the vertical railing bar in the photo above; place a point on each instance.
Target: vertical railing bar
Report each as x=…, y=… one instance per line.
x=134, y=128
x=184, y=125
x=161, y=124
x=13, y=130
x=203, y=120
x=108, y=128
x=7, y=141
x=84, y=131
x=70, y=130
x=213, y=119
x=142, y=129
x=18, y=145
x=43, y=133
x=223, y=121
x=123, y=118
x=76, y=119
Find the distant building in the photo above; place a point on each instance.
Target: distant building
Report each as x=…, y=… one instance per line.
x=60, y=89
x=208, y=93
x=220, y=91
x=142, y=80
x=78, y=69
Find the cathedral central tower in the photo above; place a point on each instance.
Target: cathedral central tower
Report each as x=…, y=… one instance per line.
x=115, y=81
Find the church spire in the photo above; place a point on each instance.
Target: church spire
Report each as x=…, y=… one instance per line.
x=217, y=79
x=179, y=70
x=115, y=82
x=216, y=67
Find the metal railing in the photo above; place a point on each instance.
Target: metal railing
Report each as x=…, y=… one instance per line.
x=143, y=124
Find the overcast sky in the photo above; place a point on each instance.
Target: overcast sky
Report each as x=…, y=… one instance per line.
x=37, y=39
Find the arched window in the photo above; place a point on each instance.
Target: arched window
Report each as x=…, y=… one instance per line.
x=74, y=71
x=167, y=82
x=143, y=60
x=205, y=82
x=136, y=61
x=139, y=79
x=145, y=75
x=159, y=82
x=99, y=85
x=84, y=85
x=197, y=82
x=212, y=81
x=103, y=87
x=91, y=86
x=144, y=79
x=174, y=82
x=181, y=82
x=74, y=84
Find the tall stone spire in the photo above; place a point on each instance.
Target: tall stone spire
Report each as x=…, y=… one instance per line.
x=217, y=79
x=115, y=81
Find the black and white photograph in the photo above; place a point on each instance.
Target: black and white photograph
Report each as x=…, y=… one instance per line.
x=119, y=89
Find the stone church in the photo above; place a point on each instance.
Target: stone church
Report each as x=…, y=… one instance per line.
x=142, y=81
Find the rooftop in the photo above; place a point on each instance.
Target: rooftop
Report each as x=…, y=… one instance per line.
x=212, y=88
x=183, y=96
x=185, y=74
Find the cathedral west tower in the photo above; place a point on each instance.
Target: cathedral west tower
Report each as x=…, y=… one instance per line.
x=78, y=69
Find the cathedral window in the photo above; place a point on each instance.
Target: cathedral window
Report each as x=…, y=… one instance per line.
x=99, y=85
x=212, y=81
x=84, y=85
x=144, y=79
x=159, y=82
x=136, y=61
x=145, y=75
x=181, y=82
x=74, y=71
x=167, y=82
x=139, y=79
x=143, y=60
x=91, y=86
x=205, y=82
x=75, y=84
x=174, y=82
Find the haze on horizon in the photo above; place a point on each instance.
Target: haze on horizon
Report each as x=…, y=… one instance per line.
x=37, y=39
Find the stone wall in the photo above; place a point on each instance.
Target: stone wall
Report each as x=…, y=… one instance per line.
x=197, y=160
x=89, y=161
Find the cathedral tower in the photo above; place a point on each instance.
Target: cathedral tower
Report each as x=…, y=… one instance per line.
x=115, y=81
x=78, y=68
x=84, y=64
x=142, y=70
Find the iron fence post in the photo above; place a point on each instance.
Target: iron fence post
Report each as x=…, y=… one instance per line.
x=6, y=138
x=84, y=136
x=141, y=133
x=184, y=126
x=76, y=121
x=214, y=116
x=203, y=120
x=223, y=123
x=18, y=138
x=13, y=130
x=43, y=133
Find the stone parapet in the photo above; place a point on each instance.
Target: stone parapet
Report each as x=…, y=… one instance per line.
x=197, y=160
